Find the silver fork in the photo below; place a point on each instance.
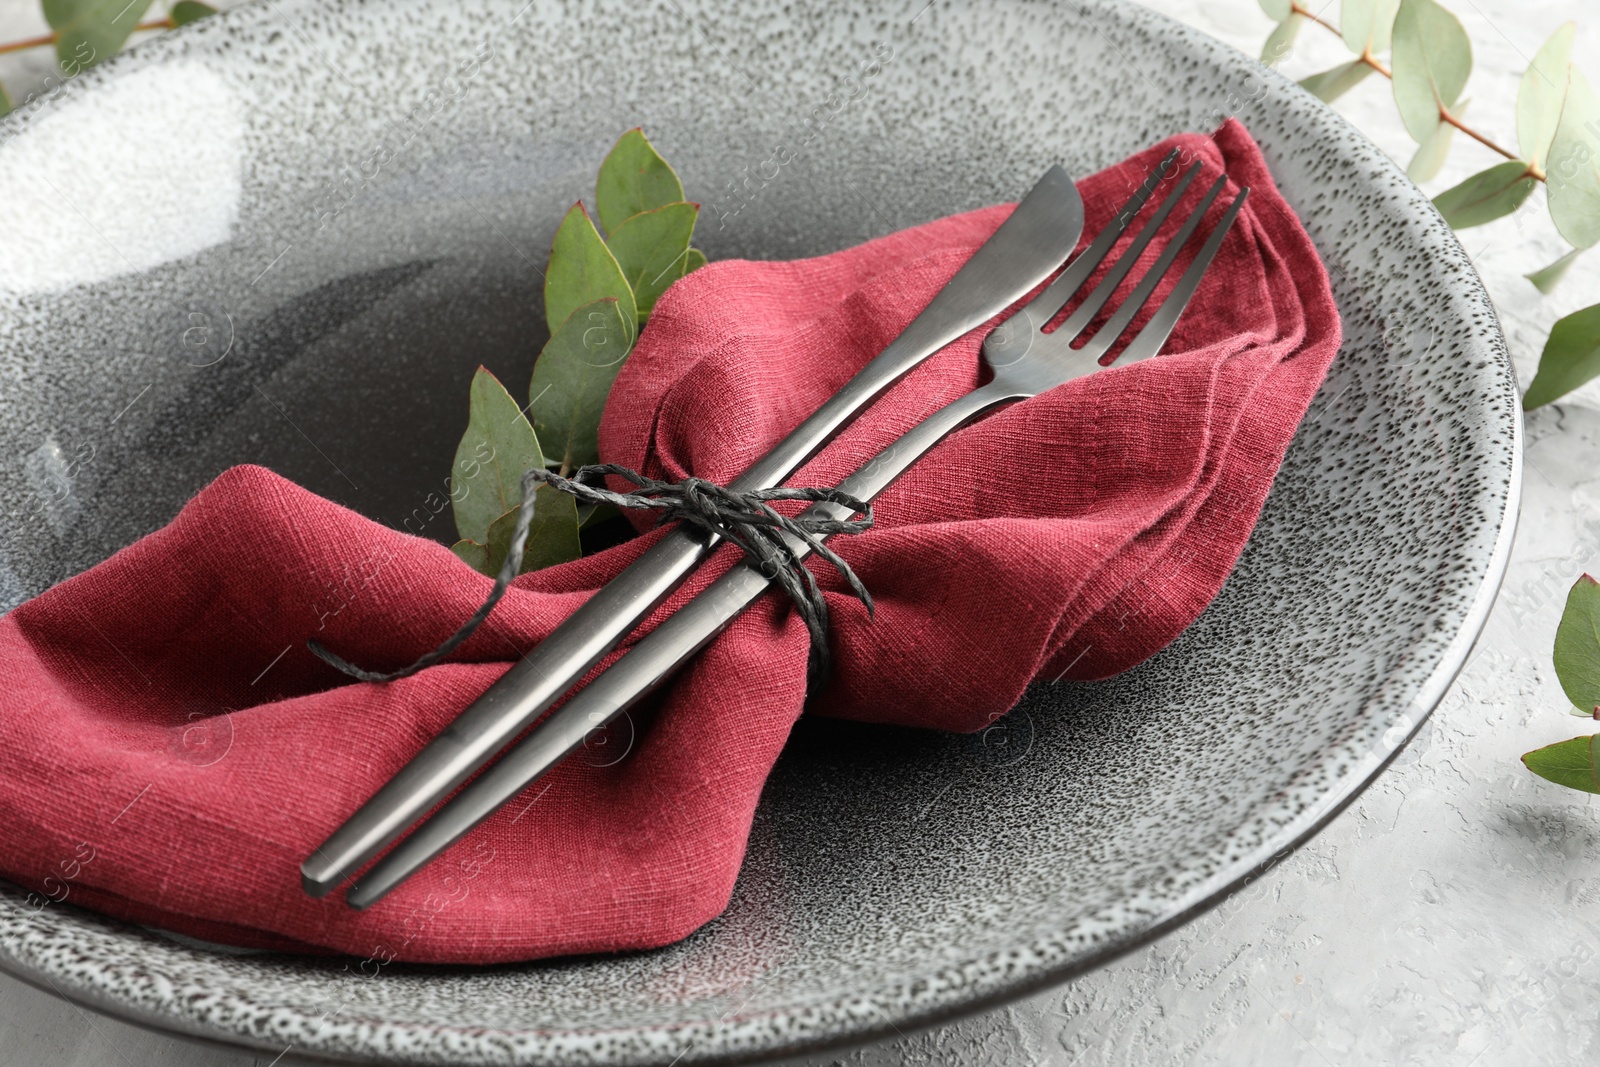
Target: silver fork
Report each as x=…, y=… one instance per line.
x=1026, y=360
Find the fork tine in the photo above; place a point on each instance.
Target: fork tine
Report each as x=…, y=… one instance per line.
x=1156, y=331
x=1075, y=323
x=1107, y=335
x=1042, y=308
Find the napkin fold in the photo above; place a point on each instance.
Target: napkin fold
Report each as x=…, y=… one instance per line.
x=173, y=751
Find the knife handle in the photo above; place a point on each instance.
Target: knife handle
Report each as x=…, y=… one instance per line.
x=1026, y=249
x=561, y=660
x=581, y=641
x=651, y=661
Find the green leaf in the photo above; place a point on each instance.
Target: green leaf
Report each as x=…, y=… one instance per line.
x=652, y=249
x=1486, y=196
x=1431, y=153
x=187, y=11
x=474, y=555
x=1545, y=279
x=582, y=270
x=1577, y=649
x=498, y=447
x=1431, y=62
x=1573, y=188
x=594, y=514
x=1277, y=10
x=1569, y=763
x=1280, y=42
x=88, y=31
x=552, y=535
x=572, y=378
x=1332, y=84
x=1539, y=97
x=1571, y=357
x=633, y=179
x=694, y=261
x=5, y=102
x=1367, y=25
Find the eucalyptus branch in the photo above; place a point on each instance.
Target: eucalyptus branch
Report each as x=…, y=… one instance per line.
x=1445, y=116
x=598, y=293
x=1575, y=763
x=29, y=42
x=1429, y=60
x=44, y=40
x=1558, y=135
x=1310, y=16
x=97, y=28
x=1367, y=57
x=1444, y=113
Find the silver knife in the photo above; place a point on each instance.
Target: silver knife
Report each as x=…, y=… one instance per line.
x=1033, y=241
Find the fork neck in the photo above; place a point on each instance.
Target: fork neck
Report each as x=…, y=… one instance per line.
x=886, y=466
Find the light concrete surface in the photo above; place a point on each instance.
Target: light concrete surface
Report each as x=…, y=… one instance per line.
x=1449, y=916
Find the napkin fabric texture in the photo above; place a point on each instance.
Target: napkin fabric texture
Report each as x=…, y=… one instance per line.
x=163, y=718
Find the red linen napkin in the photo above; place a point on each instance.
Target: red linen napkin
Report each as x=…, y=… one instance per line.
x=164, y=719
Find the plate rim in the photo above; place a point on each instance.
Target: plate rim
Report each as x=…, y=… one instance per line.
x=933, y=1010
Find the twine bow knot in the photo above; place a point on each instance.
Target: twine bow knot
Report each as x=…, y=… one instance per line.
x=744, y=517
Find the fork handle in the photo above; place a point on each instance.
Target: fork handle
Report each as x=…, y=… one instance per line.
x=574, y=647
x=649, y=662
x=1026, y=249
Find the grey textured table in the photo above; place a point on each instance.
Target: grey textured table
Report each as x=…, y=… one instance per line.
x=1448, y=917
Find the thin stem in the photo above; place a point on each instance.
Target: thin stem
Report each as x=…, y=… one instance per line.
x=1297, y=9
x=1445, y=116
x=1376, y=64
x=50, y=38
x=31, y=42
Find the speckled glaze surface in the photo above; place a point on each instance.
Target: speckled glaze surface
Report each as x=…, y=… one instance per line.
x=351, y=208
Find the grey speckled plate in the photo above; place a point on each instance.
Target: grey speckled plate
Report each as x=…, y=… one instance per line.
x=354, y=197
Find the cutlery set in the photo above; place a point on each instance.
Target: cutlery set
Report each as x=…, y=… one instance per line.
x=1025, y=356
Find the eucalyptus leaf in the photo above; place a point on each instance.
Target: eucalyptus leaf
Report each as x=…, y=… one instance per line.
x=187, y=11
x=1486, y=196
x=1277, y=10
x=552, y=535
x=633, y=179
x=572, y=378
x=1432, y=59
x=1569, y=763
x=1573, y=188
x=594, y=514
x=1545, y=279
x=1332, y=84
x=1539, y=97
x=474, y=555
x=1367, y=25
x=1571, y=357
x=498, y=447
x=694, y=261
x=88, y=31
x=582, y=270
x=1577, y=650
x=1431, y=153
x=5, y=102
x=652, y=249
x=1280, y=42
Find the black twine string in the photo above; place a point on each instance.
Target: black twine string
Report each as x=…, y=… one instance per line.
x=745, y=518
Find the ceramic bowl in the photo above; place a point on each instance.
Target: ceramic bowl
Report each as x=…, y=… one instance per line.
x=277, y=235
